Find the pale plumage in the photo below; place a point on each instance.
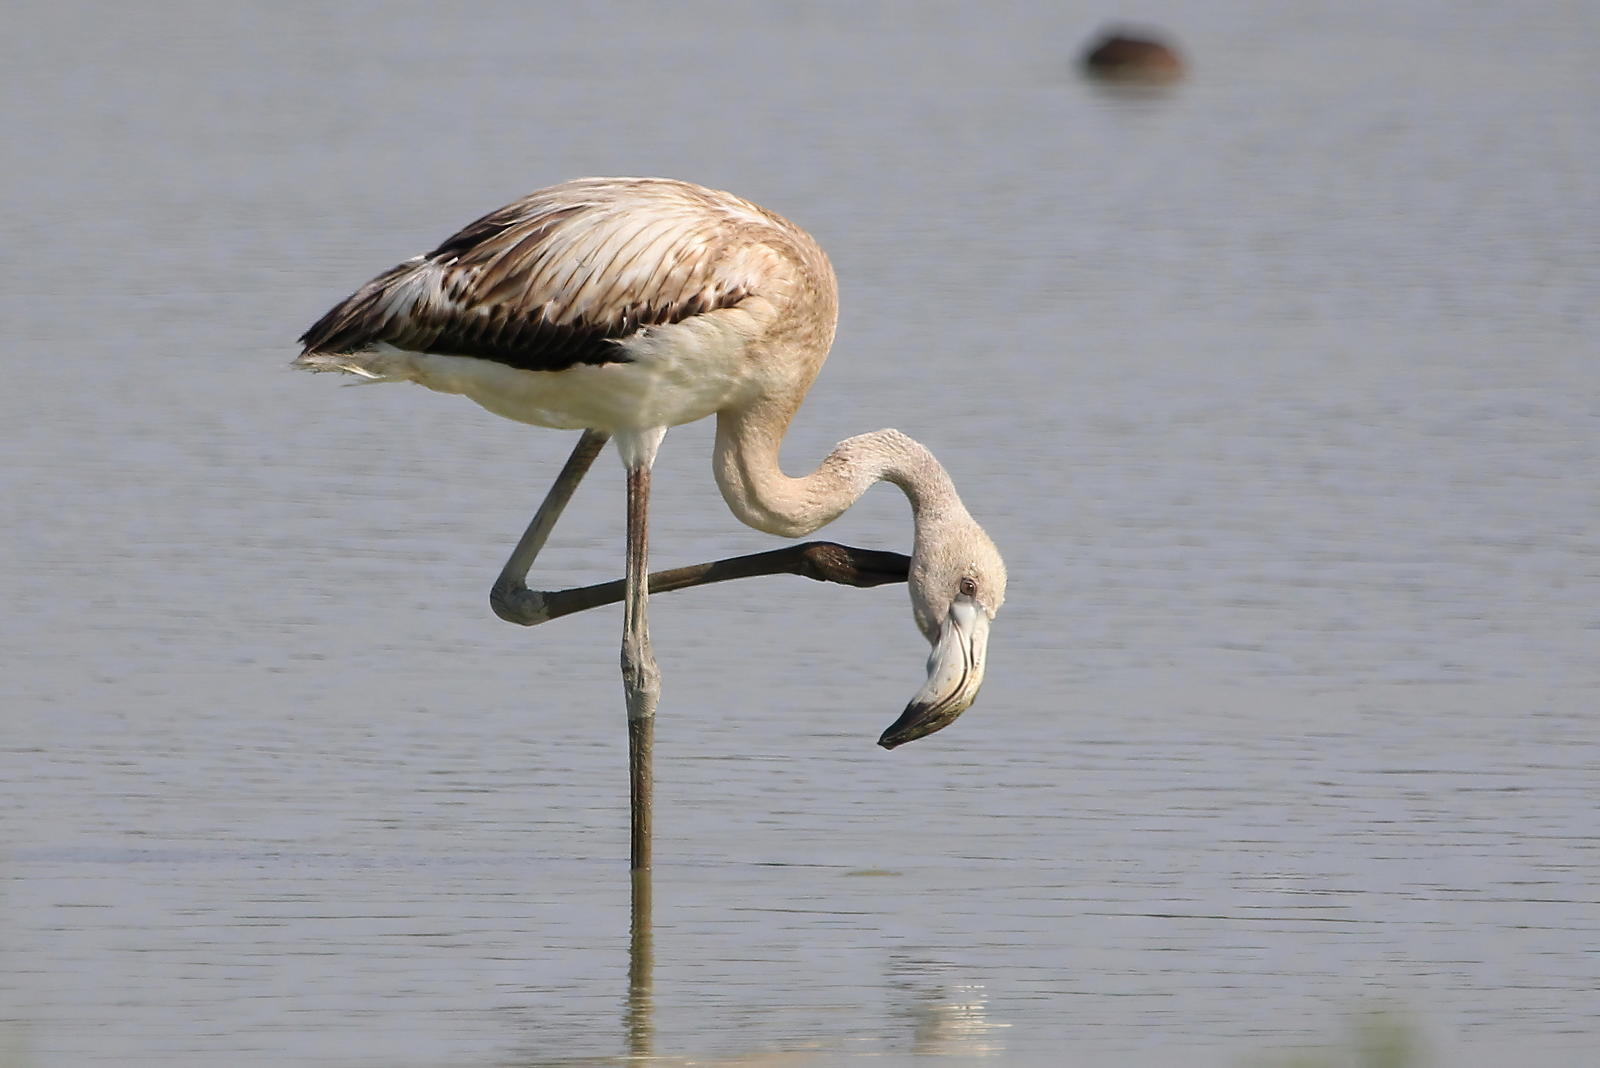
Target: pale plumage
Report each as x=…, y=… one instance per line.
x=559, y=277
x=627, y=305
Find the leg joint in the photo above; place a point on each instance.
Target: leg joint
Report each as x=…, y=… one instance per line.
x=515, y=603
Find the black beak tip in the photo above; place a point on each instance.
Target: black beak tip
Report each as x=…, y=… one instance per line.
x=915, y=722
x=903, y=729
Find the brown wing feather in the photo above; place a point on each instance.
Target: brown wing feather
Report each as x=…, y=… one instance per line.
x=555, y=279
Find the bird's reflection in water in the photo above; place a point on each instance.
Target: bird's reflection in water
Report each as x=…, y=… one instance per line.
x=946, y=1017
x=639, y=1016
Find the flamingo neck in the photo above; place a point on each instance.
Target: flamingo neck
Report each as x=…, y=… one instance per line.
x=762, y=496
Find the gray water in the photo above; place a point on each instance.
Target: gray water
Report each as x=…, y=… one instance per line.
x=1277, y=390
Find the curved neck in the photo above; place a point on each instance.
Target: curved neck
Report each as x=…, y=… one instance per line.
x=762, y=496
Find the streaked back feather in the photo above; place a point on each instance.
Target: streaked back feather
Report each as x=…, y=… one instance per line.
x=554, y=279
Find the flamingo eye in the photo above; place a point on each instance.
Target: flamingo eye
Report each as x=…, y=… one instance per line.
x=969, y=588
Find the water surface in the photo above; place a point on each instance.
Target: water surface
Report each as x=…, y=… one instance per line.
x=1276, y=390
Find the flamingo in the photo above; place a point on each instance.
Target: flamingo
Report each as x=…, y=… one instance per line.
x=625, y=306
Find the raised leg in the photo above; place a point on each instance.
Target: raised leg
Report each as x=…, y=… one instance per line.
x=824, y=561
x=514, y=602
x=510, y=597
x=641, y=678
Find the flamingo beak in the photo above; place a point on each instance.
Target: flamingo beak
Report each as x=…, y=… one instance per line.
x=955, y=671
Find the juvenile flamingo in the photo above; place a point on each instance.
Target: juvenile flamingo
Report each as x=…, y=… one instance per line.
x=624, y=306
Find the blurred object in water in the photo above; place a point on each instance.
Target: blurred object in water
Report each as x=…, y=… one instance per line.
x=1132, y=56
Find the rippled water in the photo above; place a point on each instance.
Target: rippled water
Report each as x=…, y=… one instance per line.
x=1277, y=391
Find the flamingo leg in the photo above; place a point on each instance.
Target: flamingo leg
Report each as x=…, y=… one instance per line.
x=514, y=602
x=510, y=597
x=641, y=678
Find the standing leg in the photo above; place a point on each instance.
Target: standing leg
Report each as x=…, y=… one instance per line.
x=641, y=679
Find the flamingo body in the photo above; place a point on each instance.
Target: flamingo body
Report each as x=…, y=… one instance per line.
x=625, y=306
x=621, y=305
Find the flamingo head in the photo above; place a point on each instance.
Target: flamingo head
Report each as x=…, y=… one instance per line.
x=957, y=583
